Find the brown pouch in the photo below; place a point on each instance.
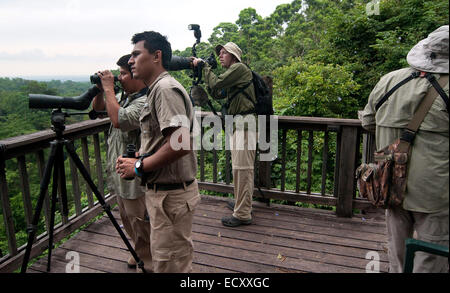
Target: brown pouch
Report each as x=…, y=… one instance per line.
x=384, y=183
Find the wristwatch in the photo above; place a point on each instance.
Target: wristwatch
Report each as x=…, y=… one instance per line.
x=139, y=166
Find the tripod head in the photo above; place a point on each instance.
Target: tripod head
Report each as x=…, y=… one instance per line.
x=58, y=119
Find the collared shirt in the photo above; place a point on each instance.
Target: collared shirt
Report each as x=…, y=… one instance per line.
x=167, y=105
x=228, y=83
x=118, y=139
x=427, y=187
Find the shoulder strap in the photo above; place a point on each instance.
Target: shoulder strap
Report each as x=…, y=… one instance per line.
x=392, y=90
x=438, y=85
x=408, y=134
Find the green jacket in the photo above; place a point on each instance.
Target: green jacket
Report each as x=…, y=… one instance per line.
x=230, y=82
x=427, y=187
x=118, y=139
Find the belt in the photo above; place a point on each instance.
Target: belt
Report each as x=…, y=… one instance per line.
x=169, y=186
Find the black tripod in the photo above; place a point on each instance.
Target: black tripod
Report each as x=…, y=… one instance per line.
x=56, y=161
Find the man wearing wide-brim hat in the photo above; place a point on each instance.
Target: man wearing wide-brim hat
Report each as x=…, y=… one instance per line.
x=236, y=87
x=425, y=207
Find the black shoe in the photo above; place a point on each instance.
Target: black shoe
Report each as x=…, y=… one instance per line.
x=230, y=205
x=234, y=222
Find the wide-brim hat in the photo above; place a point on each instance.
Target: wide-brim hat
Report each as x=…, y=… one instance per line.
x=431, y=54
x=231, y=48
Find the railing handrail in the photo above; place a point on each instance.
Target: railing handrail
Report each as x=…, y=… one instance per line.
x=73, y=130
x=14, y=146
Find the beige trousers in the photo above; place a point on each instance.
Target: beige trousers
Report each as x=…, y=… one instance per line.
x=243, y=152
x=133, y=212
x=171, y=215
x=433, y=228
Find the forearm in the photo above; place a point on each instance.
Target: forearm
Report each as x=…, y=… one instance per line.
x=164, y=156
x=228, y=79
x=112, y=107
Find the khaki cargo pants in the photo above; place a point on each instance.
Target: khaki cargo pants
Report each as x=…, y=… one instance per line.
x=133, y=212
x=171, y=215
x=401, y=224
x=243, y=152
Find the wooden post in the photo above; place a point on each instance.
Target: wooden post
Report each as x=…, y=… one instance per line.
x=347, y=167
x=7, y=214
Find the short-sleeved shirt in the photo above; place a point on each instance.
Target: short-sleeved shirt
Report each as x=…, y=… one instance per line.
x=427, y=187
x=118, y=139
x=236, y=77
x=167, y=105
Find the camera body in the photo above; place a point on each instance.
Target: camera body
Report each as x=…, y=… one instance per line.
x=130, y=153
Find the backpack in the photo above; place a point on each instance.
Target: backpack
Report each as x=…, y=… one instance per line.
x=264, y=104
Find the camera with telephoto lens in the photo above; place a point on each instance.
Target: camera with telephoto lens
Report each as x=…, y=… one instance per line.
x=182, y=63
x=131, y=153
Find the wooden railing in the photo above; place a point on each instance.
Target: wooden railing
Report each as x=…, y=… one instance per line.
x=29, y=151
x=345, y=135
x=338, y=140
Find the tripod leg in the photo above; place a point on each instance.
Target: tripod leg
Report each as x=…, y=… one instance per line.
x=62, y=176
x=43, y=189
x=53, y=207
x=106, y=207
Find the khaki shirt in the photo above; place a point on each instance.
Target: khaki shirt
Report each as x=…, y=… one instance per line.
x=118, y=139
x=427, y=187
x=228, y=83
x=167, y=105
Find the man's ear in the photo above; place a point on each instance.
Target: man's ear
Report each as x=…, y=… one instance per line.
x=158, y=56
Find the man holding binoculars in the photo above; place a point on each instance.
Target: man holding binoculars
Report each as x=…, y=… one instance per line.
x=124, y=112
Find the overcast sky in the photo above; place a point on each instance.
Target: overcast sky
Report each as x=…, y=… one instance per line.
x=80, y=37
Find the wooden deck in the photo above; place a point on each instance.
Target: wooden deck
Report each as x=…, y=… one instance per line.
x=282, y=239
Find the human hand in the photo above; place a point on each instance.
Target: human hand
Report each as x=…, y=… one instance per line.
x=197, y=61
x=107, y=79
x=125, y=167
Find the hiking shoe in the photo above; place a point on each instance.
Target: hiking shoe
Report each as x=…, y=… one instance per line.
x=234, y=222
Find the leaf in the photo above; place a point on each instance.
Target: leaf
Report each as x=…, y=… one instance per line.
x=281, y=257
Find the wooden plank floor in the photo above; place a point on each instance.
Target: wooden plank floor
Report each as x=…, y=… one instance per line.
x=281, y=239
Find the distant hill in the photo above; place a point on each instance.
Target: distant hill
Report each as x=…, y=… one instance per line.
x=75, y=78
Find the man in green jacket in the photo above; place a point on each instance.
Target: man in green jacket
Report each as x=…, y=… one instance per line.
x=425, y=208
x=235, y=85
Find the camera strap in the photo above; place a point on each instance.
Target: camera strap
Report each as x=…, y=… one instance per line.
x=133, y=97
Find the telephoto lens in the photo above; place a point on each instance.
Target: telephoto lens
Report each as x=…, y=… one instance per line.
x=131, y=153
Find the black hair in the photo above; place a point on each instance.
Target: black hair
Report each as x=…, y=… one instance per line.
x=123, y=62
x=155, y=41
